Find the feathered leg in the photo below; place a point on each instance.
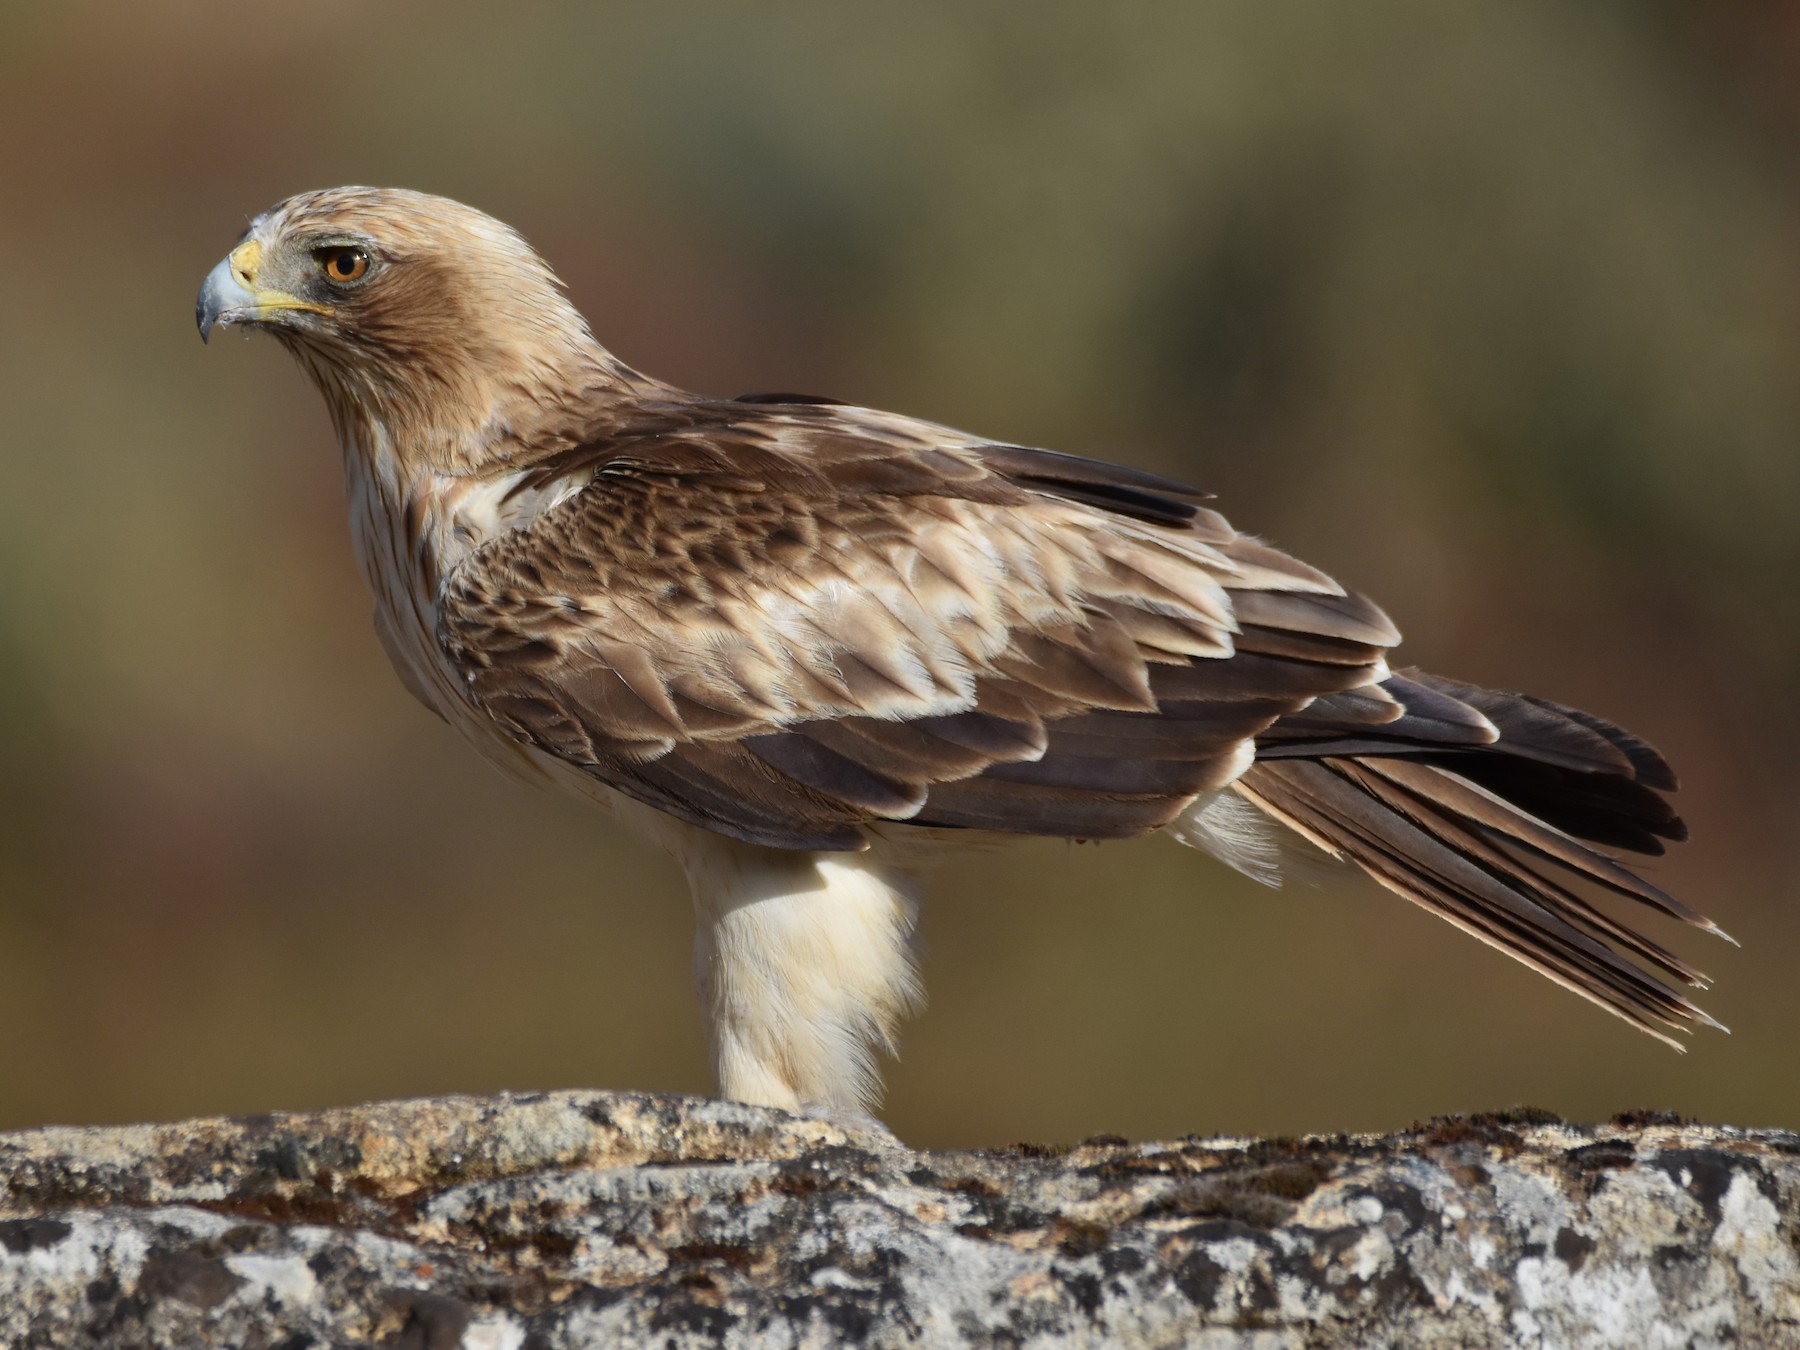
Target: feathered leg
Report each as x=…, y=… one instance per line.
x=805, y=969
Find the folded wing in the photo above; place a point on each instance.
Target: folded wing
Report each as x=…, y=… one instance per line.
x=796, y=620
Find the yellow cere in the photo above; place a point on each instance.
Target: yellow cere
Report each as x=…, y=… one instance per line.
x=245, y=259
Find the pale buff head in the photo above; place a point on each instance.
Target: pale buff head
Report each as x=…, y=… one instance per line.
x=411, y=312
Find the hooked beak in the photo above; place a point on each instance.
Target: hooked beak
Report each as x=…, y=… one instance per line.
x=231, y=295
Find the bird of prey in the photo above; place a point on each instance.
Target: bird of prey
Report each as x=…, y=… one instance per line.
x=808, y=647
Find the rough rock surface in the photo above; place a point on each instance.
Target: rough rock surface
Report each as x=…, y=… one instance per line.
x=599, y=1219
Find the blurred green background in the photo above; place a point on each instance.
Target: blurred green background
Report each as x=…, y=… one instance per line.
x=1493, y=311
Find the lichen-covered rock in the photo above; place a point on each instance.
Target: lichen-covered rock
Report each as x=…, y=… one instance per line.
x=599, y=1219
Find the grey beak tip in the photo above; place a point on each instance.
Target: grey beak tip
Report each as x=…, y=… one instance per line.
x=209, y=302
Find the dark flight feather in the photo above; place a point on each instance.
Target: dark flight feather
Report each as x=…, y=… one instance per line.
x=1490, y=831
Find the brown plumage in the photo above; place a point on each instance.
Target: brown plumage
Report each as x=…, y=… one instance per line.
x=820, y=642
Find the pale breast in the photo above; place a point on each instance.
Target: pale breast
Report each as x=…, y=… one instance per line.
x=408, y=535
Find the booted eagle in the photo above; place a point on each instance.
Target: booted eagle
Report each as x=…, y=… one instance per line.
x=807, y=647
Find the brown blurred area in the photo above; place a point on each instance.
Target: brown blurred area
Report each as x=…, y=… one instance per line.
x=1493, y=311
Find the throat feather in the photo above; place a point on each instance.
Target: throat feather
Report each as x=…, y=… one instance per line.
x=396, y=529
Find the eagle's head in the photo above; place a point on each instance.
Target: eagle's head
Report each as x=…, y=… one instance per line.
x=406, y=309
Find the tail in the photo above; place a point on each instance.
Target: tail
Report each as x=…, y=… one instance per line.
x=1487, y=808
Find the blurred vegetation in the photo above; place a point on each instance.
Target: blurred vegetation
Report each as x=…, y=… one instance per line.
x=1490, y=310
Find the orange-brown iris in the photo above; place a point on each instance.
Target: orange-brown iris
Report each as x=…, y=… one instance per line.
x=344, y=264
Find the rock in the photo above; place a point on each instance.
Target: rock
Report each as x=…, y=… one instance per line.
x=598, y=1219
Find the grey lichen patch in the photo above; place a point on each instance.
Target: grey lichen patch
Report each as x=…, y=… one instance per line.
x=576, y=1219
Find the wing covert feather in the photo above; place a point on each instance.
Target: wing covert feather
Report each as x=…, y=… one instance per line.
x=794, y=620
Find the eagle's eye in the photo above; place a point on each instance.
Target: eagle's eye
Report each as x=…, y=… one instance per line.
x=342, y=263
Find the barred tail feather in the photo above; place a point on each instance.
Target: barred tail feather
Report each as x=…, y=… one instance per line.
x=1495, y=837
